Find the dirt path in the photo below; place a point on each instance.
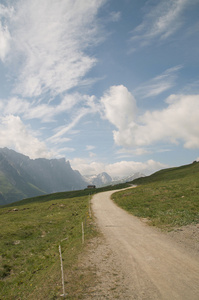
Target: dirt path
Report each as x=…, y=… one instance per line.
x=141, y=262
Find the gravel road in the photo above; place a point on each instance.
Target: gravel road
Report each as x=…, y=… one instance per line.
x=151, y=265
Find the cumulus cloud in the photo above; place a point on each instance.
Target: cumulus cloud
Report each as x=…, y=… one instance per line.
x=119, y=106
x=178, y=122
x=126, y=168
x=87, y=168
x=49, y=45
x=15, y=135
x=119, y=169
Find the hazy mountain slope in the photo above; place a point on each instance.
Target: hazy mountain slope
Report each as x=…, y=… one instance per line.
x=22, y=177
x=14, y=185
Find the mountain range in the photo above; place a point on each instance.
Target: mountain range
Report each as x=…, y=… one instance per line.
x=22, y=177
x=99, y=180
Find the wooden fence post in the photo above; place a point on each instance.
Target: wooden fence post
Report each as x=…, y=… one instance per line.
x=90, y=214
x=62, y=272
x=82, y=232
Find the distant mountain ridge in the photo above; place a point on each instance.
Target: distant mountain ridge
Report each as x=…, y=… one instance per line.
x=129, y=178
x=98, y=180
x=22, y=177
x=104, y=179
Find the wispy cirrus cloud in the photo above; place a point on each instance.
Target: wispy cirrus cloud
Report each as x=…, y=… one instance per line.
x=159, y=84
x=46, y=49
x=4, y=41
x=160, y=22
x=49, y=42
x=90, y=147
x=5, y=38
x=45, y=112
x=61, y=131
x=88, y=107
x=115, y=16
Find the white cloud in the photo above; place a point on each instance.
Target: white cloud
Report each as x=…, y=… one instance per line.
x=159, y=84
x=15, y=135
x=131, y=152
x=61, y=131
x=61, y=152
x=44, y=112
x=119, y=169
x=5, y=12
x=15, y=106
x=115, y=16
x=126, y=168
x=160, y=22
x=47, y=112
x=119, y=106
x=89, y=107
x=49, y=41
x=193, y=87
x=85, y=167
x=4, y=41
x=178, y=122
x=90, y=147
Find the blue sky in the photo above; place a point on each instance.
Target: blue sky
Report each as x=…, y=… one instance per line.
x=110, y=85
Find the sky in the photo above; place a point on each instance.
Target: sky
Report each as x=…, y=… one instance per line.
x=111, y=85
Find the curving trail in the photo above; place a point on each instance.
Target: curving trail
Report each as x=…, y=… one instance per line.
x=154, y=267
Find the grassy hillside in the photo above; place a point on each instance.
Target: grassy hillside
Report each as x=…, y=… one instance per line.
x=167, y=198
x=31, y=232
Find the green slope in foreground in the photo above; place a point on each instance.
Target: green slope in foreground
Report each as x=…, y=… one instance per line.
x=31, y=232
x=33, y=229
x=167, y=198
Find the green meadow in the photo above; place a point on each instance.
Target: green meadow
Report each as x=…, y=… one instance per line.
x=31, y=232
x=167, y=198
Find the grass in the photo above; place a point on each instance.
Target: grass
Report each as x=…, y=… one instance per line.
x=29, y=240
x=31, y=232
x=168, y=198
